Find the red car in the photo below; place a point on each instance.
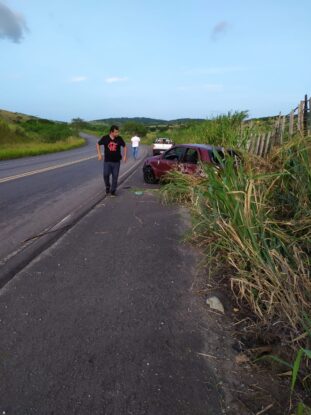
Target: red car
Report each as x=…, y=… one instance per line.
x=185, y=156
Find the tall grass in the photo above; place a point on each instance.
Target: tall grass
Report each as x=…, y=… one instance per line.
x=256, y=219
x=224, y=130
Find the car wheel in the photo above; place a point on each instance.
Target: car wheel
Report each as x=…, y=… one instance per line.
x=149, y=176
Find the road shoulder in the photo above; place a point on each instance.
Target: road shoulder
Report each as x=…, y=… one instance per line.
x=104, y=321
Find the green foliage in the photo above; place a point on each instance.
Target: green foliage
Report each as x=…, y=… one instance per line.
x=33, y=148
x=301, y=359
x=78, y=124
x=256, y=218
x=131, y=127
x=47, y=131
x=239, y=217
x=224, y=130
x=9, y=133
x=303, y=409
x=26, y=136
x=144, y=120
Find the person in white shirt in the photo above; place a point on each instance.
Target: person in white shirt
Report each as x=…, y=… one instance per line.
x=135, y=144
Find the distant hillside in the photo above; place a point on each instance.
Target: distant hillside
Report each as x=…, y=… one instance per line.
x=12, y=117
x=144, y=120
x=17, y=117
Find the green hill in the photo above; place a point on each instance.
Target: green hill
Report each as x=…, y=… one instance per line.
x=144, y=120
x=14, y=117
x=25, y=135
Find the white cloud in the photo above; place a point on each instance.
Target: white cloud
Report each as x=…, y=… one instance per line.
x=114, y=79
x=12, y=24
x=78, y=79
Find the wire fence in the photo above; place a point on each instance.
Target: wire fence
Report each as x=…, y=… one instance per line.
x=298, y=121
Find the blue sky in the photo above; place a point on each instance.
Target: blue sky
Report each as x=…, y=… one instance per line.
x=154, y=58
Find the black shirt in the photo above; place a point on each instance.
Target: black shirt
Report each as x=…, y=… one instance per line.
x=112, y=147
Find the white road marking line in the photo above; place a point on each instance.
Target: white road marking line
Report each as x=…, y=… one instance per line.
x=30, y=173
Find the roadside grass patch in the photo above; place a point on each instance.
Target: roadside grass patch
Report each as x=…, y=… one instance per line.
x=259, y=223
x=255, y=220
x=31, y=137
x=26, y=149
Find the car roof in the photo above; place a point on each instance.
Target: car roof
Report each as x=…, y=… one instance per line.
x=201, y=146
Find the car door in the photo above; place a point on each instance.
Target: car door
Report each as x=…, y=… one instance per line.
x=189, y=163
x=169, y=160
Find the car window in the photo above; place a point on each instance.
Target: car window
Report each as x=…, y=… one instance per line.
x=174, y=153
x=217, y=156
x=191, y=156
x=163, y=140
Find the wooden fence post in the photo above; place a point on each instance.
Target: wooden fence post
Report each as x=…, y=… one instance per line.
x=291, y=123
x=305, y=117
x=250, y=144
x=282, y=129
x=267, y=146
x=262, y=143
x=257, y=145
x=277, y=134
x=300, y=116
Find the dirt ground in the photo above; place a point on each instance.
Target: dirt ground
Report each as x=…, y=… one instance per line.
x=248, y=387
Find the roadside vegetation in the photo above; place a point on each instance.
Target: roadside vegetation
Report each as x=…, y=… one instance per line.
x=253, y=222
x=22, y=136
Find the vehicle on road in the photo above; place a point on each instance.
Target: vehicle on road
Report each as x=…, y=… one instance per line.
x=186, y=158
x=161, y=144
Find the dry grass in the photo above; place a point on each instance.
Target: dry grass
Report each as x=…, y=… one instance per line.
x=257, y=220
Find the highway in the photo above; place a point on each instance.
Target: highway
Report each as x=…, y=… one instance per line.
x=36, y=193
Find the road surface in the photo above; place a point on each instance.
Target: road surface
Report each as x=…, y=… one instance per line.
x=104, y=321
x=38, y=192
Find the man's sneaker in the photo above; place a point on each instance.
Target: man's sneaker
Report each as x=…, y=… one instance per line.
x=107, y=190
x=113, y=194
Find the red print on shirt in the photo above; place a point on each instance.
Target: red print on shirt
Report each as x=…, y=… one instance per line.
x=112, y=146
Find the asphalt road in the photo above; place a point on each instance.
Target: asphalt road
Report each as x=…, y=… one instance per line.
x=10, y=168
x=36, y=193
x=104, y=321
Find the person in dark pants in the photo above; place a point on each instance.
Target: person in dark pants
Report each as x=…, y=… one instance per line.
x=112, y=144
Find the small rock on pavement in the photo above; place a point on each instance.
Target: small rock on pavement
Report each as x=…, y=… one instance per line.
x=215, y=304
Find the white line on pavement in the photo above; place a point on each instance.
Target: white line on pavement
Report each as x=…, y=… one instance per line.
x=30, y=173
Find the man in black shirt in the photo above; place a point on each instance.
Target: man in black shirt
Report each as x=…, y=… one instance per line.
x=112, y=144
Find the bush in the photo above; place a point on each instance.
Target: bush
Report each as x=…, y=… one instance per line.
x=132, y=127
x=47, y=131
x=10, y=134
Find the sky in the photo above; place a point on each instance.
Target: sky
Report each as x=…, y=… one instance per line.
x=164, y=59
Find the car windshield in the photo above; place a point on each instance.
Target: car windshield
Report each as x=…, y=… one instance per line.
x=163, y=141
x=218, y=156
